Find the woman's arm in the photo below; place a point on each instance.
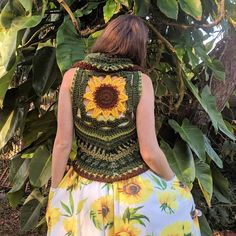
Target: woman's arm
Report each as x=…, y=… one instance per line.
x=64, y=136
x=145, y=121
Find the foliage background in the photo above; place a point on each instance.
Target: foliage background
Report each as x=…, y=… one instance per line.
x=191, y=60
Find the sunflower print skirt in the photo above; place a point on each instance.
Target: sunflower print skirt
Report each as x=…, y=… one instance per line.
x=144, y=205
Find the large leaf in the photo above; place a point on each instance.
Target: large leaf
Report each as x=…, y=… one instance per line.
x=204, y=226
x=35, y=125
x=181, y=160
x=70, y=47
x=169, y=8
x=220, y=186
x=141, y=7
x=211, y=153
x=15, y=198
x=15, y=16
x=40, y=167
x=192, y=7
x=215, y=65
x=203, y=174
x=192, y=135
x=9, y=123
x=111, y=8
x=208, y=103
x=31, y=209
x=45, y=70
x=215, y=115
x=20, y=176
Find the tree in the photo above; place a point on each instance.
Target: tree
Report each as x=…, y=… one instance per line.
x=192, y=73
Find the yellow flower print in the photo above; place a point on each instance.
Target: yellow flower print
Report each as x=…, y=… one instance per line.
x=52, y=216
x=105, y=97
x=123, y=228
x=102, y=212
x=167, y=199
x=70, y=225
x=135, y=190
x=179, y=228
x=182, y=189
x=70, y=181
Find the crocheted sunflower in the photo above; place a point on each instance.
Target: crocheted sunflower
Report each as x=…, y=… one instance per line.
x=106, y=97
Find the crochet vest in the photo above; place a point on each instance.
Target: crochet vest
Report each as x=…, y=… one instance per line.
x=105, y=94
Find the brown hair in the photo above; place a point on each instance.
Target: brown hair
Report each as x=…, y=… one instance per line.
x=125, y=36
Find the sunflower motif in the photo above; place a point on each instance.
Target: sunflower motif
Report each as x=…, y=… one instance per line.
x=135, y=190
x=124, y=228
x=105, y=97
x=182, y=189
x=102, y=212
x=70, y=181
x=52, y=216
x=70, y=226
x=179, y=228
x=167, y=199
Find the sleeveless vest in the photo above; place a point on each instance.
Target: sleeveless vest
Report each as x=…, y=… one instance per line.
x=105, y=94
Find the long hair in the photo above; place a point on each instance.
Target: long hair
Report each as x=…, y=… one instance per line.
x=125, y=36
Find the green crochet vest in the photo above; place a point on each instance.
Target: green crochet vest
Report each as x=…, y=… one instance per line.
x=105, y=94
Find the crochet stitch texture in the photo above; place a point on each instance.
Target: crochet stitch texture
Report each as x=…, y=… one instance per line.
x=105, y=94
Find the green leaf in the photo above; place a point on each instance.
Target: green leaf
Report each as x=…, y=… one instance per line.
x=15, y=198
x=40, y=167
x=20, y=175
x=15, y=16
x=110, y=9
x=66, y=208
x=192, y=7
x=70, y=47
x=181, y=160
x=71, y=202
x=5, y=81
x=217, y=68
x=169, y=8
x=80, y=205
x=204, y=226
x=204, y=177
x=211, y=153
x=30, y=214
x=45, y=70
x=220, y=186
x=141, y=7
x=208, y=103
x=192, y=135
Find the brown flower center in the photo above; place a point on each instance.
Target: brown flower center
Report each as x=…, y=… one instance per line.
x=106, y=96
x=132, y=189
x=105, y=211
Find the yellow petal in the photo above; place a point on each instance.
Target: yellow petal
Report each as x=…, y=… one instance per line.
x=115, y=112
x=96, y=112
x=90, y=105
x=121, y=107
x=88, y=95
x=96, y=81
x=116, y=81
x=106, y=114
x=123, y=97
x=91, y=85
x=107, y=80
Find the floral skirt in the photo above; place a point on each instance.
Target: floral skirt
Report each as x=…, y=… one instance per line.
x=144, y=205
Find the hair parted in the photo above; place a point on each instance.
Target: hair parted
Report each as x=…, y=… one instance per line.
x=125, y=36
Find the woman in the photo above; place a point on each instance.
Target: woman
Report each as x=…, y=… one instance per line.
x=121, y=182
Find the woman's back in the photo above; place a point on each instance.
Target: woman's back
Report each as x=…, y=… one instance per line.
x=115, y=186
x=104, y=101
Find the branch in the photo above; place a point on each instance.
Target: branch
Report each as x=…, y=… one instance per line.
x=171, y=48
x=221, y=15
x=71, y=15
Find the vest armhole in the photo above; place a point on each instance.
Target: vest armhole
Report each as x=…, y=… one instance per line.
x=73, y=83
